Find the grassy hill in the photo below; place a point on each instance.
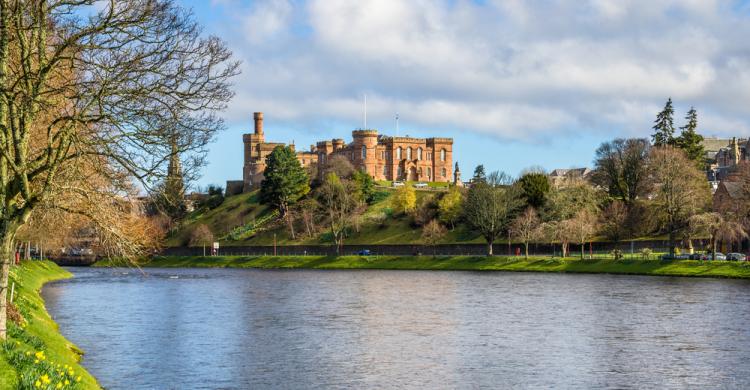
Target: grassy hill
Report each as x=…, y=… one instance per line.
x=242, y=220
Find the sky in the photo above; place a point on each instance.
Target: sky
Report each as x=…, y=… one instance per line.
x=517, y=83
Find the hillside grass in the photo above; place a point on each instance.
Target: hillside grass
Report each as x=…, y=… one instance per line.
x=39, y=331
x=376, y=226
x=721, y=269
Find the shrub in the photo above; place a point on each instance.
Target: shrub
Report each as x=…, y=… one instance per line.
x=617, y=254
x=646, y=253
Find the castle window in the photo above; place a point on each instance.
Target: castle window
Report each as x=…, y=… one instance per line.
x=382, y=155
x=429, y=173
x=429, y=156
x=444, y=172
x=364, y=152
x=385, y=171
x=442, y=157
x=408, y=153
x=419, y=153
x=398, y=153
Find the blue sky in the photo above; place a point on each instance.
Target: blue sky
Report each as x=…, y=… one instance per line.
x=515, y=83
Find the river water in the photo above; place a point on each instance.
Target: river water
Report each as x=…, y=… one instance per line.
x=249, y=329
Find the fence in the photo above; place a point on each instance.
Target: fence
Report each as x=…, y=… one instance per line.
x=597, y=248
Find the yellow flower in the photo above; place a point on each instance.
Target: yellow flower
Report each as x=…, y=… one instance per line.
x=28, y=353
x=45, y=379
x=36, y=361
x=58, y=386
x=67, y=382
x=78, y=379
x=37, y=383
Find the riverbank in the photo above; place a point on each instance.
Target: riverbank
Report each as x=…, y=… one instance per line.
x=35, y=350
x=719, y=269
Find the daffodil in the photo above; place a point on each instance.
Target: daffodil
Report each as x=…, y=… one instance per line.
x=45, y=379
x=58, y=385
x=37, y=383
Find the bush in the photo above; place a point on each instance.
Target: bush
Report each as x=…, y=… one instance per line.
x=646, y=253
x=617, y=254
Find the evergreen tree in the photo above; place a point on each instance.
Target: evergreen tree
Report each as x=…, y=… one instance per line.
x=365, y=186
x=664, y=126
x=479, y=175
x=690, y=141
x=285, y=181
x=534, y=187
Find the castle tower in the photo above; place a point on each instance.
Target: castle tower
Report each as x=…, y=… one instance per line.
x=365, y=148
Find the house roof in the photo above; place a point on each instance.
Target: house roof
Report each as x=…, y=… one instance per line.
x=734, y=189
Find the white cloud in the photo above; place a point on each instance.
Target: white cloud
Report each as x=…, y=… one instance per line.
x=512, y=69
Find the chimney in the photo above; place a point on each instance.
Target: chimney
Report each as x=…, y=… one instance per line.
x=258, y=116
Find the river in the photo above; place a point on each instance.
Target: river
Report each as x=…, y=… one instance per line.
x=248, y=329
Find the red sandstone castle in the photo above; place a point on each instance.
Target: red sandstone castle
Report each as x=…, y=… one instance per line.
x=383, y=157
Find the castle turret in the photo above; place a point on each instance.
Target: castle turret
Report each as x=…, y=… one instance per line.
x=365, y=149
x=258, y=116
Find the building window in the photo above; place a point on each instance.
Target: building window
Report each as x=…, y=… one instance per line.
x=364, y=152
x=385, y=171
x=419, y=153
x=444, y=172
x=442, y=156
x=419, y=172
x=382, y=155
x=387, y=155
x=408, y=153
x=429, y=156
x=429, y=173
x=398, y=153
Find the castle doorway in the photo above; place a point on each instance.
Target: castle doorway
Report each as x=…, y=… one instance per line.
x=412, y=174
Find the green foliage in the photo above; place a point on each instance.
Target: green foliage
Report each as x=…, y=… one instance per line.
x=450, y=207
x=535, y=187
x=365, y=186
x=664, y=126
x=214, y=199
x=404, y=200
x=690, y=141
x=285, y=181
x=479, y=174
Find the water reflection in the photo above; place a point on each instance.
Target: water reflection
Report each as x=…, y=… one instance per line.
x=407, y=329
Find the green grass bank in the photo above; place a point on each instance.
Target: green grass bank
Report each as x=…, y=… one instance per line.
x=36, y=355
x=719, y=269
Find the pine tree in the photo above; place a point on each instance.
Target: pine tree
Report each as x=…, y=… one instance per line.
x=664, y=126
x=690, y=141
x=284, y=180
x=479, y=175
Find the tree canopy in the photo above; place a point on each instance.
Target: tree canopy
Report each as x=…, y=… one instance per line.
x=284, y=180
x=620, y=166
x=535, y=187
x=491, y=206
x=690, y=141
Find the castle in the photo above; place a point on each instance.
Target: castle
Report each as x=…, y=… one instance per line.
x=382, y=157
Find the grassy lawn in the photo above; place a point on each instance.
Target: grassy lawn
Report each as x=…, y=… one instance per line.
x=40, y=333
x=724, y=269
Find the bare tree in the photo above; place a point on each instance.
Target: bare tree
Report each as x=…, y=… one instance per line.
x=337, y=200
x=581, y=228
x=491, y=205
x=201, y=236
x=680, y=190
x=614, y=221
x=99, y=91
x=524, y=228
x=718, y=229
x=621, y=168
x=432, y=233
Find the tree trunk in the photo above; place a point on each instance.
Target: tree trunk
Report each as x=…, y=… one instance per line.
x=671, y=242
x=489, y=247
x=6, y=259
x=526, y=247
